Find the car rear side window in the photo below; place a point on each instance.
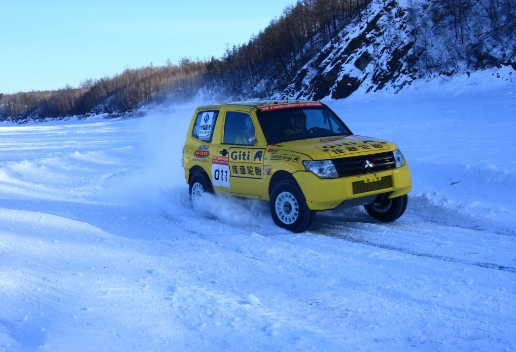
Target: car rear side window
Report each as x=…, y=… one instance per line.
x=204, y=125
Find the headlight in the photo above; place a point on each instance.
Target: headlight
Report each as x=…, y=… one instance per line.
x=322, y=168
x=399, y=159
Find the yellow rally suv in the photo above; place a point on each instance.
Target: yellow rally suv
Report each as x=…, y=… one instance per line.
x=298, y=155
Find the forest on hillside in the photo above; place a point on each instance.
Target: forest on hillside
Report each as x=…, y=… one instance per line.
x=446, y=37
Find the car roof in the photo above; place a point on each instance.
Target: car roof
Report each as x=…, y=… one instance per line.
x=257, y=103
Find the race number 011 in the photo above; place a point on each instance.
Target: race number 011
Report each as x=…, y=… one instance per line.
x=220, y=171
x=221, y=175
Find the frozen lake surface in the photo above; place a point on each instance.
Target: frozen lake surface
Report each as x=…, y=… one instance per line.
x=100, y=249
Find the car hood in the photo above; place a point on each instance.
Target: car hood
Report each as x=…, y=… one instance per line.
x=334, y=147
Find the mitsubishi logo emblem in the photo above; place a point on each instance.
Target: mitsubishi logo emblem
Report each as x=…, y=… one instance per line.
x=367, y=164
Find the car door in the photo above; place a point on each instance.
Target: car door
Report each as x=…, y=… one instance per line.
x=244, y=159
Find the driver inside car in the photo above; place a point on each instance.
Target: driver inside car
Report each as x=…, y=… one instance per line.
x=297, y=122
x=247, y=137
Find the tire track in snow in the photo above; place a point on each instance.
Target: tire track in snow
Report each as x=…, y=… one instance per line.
x=433, y=256
x=355, y=230
x=360, y=239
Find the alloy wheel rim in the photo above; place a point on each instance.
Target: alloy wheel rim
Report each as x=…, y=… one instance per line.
x=197, y=190
x=287, y=208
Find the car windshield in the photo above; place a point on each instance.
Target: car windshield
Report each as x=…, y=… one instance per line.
x=293, y=123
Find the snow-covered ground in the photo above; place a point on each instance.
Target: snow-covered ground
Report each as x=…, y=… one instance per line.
x=100, y=249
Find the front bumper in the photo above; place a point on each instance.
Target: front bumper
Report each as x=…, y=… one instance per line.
x=325, y=194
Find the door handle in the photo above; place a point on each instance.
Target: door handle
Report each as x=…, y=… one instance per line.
x=223, y=152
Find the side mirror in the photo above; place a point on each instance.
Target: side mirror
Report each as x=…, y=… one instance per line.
x=252, y=140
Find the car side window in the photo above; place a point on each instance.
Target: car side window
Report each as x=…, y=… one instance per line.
x=204, y=125
x=239, y=129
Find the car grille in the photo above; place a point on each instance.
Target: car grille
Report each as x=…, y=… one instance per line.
x=363, y=187
x=360, y=165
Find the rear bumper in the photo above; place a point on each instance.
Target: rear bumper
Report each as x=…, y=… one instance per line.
x=325, y=194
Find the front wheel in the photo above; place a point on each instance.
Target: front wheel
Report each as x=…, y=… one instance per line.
x=387, y=209
x=288, y=207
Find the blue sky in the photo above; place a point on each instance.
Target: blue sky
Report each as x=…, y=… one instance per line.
x=49, y=44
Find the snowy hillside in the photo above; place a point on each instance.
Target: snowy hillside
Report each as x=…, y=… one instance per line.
x=394, y=43
x=370, y=53
x=100, y=249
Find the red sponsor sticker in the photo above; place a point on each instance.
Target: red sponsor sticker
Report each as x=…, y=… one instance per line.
x=289, y=106
x=219, y=160
x=201, y=154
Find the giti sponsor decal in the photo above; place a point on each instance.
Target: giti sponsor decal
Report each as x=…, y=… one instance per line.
x=248, y=155
x=292, y=158
x=202, y=152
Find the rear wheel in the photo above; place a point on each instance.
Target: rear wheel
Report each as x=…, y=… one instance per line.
x=198, y=185
x=288, y=207
x=387, y=209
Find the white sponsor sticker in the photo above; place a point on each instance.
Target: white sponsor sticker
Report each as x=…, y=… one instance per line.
x=206, y=125
x=220, y=171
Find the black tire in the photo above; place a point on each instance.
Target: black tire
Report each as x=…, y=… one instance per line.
x=199, y=184
x=387, y=209
x=288, y=207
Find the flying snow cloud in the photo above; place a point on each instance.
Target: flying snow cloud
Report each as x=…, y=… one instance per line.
x=157, y=178
x=156, y=174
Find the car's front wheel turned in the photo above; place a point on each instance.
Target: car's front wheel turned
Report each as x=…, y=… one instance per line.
x=288, y=207
x=198, y=185
x=387, y=209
